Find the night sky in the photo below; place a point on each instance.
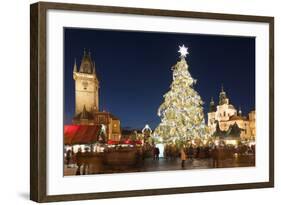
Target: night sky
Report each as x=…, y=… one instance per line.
x=134, y=70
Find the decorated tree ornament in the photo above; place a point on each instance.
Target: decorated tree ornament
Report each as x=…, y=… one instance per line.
x=181, y=113
x=183, y=51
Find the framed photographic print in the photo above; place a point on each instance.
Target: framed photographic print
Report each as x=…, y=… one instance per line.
x=135, y=102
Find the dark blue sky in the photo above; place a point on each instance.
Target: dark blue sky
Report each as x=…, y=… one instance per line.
x=134, y=69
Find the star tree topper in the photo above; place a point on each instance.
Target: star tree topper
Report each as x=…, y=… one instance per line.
x=183, y=51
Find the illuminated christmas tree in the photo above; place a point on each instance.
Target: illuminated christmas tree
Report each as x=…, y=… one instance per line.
x=181, y=113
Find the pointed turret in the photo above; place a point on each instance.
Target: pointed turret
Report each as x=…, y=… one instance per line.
x=234, y=130
x=89, y=51
x=212, y=106
x=85, y=52
x=87, y=65
x=84, y=114
x=94, y=68
x=93, y=62
x=75, y=66
x=240, y=112
x=223, y=98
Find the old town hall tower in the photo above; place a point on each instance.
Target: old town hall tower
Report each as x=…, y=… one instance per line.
x=87, y=99
x=86, y=85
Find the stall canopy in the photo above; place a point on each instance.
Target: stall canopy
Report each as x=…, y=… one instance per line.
x=81, y=134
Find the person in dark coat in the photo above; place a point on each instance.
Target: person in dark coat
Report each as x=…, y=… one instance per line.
x=157, y=152
x=86, y=164
x=190, y=152
x=215, y=156
x=197, y=152
x=68, y=157
x=206, y=152
x=79, y=161
x=183, y=157
x=154, y=152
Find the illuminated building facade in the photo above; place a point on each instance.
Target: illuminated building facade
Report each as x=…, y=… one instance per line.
x=225, y=117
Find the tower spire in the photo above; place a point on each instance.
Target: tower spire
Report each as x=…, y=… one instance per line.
x=223, y=98
x=87, y=64
x=84, y=51
x=240, y=111
x=84, y=113
x=94, y=67
x=75, y=66
x=212, y=106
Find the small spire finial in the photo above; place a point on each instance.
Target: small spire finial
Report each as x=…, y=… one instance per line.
x=212, y=107
x=240, y=111
x=75, y=66
x=84, y=51
x=94, y=69
x=222, y=88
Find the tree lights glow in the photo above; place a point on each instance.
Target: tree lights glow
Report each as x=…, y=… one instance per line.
x=181, y=113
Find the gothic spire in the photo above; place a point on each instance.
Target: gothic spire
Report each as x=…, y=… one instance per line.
x=93, y=62
x=240, y=111
x=84, y=114
x=87, y=64
x=89, y=52
x=75, y=66
x=222, y=97
x=94, y=67
x=212, y=106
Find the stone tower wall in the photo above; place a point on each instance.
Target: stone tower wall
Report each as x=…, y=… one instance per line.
x=86, y=92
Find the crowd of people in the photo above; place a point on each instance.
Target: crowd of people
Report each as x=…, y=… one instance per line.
x=216, y=153
x=171, y=152
x=79, y=158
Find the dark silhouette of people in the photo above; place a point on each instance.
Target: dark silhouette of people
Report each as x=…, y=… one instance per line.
x=157, y=152
x=197, y=152
x=206, y=152
x=190, y=153
x=183, y=157
x=86, y=164
x=79, y=161
x=68, y=157
x=215, y=156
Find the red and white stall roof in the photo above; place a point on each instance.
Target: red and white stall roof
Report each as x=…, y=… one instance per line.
x=81, y=134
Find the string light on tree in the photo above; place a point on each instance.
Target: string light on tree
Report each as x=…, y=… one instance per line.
x=181, y=113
